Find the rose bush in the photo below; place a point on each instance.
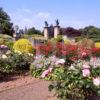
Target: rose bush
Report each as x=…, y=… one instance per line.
x=79, y=81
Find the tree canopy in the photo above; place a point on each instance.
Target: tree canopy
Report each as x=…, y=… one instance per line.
x=32, y=31
x=5, y=24
x=90, y=31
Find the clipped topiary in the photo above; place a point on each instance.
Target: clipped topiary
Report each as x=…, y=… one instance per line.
x=23, y=45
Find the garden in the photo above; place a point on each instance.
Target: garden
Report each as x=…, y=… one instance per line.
x=73, y=68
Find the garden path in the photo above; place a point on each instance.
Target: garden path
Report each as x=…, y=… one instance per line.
x=25, y=88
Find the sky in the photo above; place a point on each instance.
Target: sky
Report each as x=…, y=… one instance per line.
x=33, y=13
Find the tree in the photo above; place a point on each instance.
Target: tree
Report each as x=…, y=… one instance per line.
x=5, y=24
x=32, y=31
x=90, y=31
x=70, y=32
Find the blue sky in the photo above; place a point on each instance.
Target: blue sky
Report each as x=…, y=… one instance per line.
x=74, y=13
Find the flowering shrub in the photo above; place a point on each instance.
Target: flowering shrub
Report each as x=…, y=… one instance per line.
x=95, y=61
x=73, y=52
x=79, y=81
x=45, y=49
x=3, y=49
x=44, y=67
x=14, y=62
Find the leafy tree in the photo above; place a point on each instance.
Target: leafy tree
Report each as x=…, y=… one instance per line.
x=5, y=24
x=91, y=31
x=32, y=31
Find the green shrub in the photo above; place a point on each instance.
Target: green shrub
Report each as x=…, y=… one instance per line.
x=59, y=38
x=15, y=62
x=6, y=65
x=21, y=61
x=10, y=44
x=75, y=84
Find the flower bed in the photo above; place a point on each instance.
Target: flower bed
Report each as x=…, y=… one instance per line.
x=77, y=74
x=74, y=69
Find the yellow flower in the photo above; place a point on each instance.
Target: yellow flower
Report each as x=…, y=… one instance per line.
x=97, y=44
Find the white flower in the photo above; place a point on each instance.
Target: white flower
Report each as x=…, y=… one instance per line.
x=16, y=51
x=30, y=54
x=60, y=61
x=72, y=67
x=8, y=52
x=96, y=81
x=4, y=56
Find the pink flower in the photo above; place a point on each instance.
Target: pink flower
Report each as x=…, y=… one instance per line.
x=96, y=81
x=3, y=46
x=60, y=61
x=86, y=72
x=84, y=54
x=86, y=66
x=45, y=73
x=94, y=58
x=50, y=69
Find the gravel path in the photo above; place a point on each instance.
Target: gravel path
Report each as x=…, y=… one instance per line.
x=25, y=88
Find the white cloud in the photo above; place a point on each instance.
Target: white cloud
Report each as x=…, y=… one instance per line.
x=43, y=14
x=26, y=17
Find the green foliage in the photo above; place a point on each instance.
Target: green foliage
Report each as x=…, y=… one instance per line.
x=6, y=65
x=5, y=24
x=57, y=72
x=59, y=38
x=21, y=61
x=15, y=62
x=10, y=45
x=5, y=39
x=77, y=39
x=72, y=85
x=91, y=31
x=23, y=45
x=42, y=64
x=33, y=31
